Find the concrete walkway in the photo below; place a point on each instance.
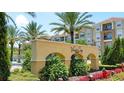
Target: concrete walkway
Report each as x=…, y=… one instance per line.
x=16, y=65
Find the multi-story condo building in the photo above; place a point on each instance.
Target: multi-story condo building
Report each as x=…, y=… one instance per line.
x=86, y=34
x=108, y=30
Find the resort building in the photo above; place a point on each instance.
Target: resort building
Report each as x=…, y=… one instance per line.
x=86, y=34
x=102, y=34
x=107, y=31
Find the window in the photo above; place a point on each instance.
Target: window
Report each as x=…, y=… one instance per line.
x=119, y=33
x=98, y=37
x=108, y=36
x=76, y=36
x=57, y=39
x=61, y=38
x=97, y=29
x=82, y=34
x=107, y=26
x=118, y=24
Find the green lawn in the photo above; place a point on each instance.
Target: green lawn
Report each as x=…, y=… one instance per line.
x=22, y=76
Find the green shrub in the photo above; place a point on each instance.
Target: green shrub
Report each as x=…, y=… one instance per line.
x=4, y=57
x=68, y=41
x=104, y=59
x=54, y=70
x=107, y=67
x=27, y=60
x=81, y=42
x=114, y=51
x=78, y=67
x=122, y=51
x=53, y=60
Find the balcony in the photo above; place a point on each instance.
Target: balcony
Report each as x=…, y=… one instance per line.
x=108, y=37
x=107, y=27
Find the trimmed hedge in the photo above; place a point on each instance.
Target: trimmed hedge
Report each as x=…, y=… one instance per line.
x=108, y=67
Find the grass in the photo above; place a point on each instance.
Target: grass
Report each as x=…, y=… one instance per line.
x=118, y=77
x=22, y=76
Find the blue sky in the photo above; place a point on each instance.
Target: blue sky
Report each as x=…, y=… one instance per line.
x=44, y=18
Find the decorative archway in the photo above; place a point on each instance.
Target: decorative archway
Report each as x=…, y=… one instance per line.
x=42, y=49
x=51, y=55
x=76, y=56
x=92, y=58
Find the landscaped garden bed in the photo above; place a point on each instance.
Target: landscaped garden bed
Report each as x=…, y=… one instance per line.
x=99, y=75
x=22, y=76
x=116, y=77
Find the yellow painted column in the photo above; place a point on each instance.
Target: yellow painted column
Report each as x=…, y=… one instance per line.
x=36, y=66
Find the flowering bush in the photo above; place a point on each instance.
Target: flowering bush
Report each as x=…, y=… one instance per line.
x=84, y=78
x=118, y=70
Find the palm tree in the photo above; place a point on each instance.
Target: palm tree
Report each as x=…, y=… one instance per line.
x=4, y=58
x=13, y=36
x=19, y=42
x=33, y=31
x=71, y=22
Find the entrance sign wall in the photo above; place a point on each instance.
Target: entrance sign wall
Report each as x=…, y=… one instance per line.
x=42, y=48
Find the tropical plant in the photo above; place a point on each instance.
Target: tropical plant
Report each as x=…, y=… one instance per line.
x=27, y=60
x=27, y=57
x=71, y=22
x=13, y=36
x=53, y=59
x=19, y=51
x=81, y=42
x=78, y=67
x=33, y=31
x=33, y=14
x=54, y=70
x=4, y=56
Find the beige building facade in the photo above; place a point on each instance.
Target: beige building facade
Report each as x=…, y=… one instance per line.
x=107, y=31
x=86, y=34
x=41, y=49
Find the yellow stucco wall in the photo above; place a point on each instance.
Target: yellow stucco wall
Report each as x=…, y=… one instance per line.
x=42, y=48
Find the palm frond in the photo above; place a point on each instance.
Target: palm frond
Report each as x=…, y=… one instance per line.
x=9, y=18
x=33, y=30
x=32, y=14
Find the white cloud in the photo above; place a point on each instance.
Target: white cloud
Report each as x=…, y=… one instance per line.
x=21, y=20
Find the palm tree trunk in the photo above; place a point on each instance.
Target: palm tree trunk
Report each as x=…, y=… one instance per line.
x=11, y=58
x=19, y=53
x=72, y=37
